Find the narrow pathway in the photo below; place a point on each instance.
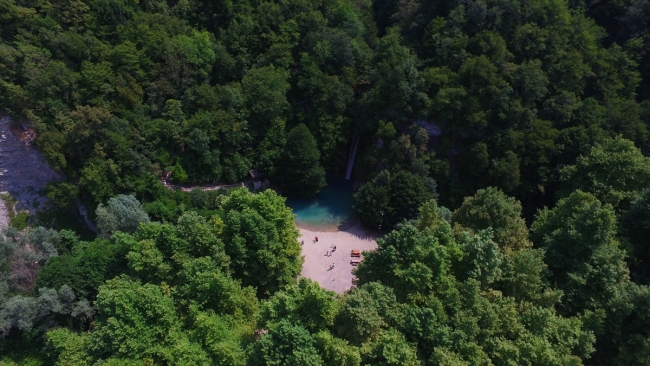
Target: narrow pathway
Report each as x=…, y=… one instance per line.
x=212, y=187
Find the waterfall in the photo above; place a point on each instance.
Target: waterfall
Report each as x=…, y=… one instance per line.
x=353, y=154
x=83, y=211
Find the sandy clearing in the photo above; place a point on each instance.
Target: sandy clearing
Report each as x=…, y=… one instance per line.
x=317, y=263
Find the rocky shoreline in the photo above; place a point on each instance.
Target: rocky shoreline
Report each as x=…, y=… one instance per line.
x=24, y=172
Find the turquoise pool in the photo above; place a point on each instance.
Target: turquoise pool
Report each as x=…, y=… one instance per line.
x=330, y=210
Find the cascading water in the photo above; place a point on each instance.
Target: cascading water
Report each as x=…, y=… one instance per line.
x=353, y=154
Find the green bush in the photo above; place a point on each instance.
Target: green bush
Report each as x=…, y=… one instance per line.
x=19, y=221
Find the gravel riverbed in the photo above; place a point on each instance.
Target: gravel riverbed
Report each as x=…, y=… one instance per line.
x=24, y=172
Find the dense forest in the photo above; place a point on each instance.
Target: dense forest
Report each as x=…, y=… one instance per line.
x=502, y=146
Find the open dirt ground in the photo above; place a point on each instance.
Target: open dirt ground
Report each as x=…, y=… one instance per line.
x=317, y=263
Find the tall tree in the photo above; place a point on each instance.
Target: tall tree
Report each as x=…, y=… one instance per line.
x=122, y=213
x=582, y=252
x=261, y=239
x=286, y=344
x=491, y=208
x=615, y=172
x=299, y=171
x=635, y=224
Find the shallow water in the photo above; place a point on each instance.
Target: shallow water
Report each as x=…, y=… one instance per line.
x=24, y=172
x=330, y=210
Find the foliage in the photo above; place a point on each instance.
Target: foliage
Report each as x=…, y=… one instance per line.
x=84, y=269
x=372, y=200
x=307, y=304
x=178, y=293
x=614, y=171
x=390, y=198
x=134, y=320
x=411, y=262
x=491, y=208
x=203, y=284
x=545, y=102
x=286, y=344
x=122, y=213
x=261, y=240
x=581, y=251
x=482, y=260
x=635, y=224
x=62, y=194
x=22, y=254
x=40, y=313
x=587, y=264
x=300, y=173
x=17, y=220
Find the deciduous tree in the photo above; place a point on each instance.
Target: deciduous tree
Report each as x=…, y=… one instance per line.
x=299, y=171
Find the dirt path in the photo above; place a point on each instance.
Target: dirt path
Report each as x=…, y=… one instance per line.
x=211, y=187
x=316, y=266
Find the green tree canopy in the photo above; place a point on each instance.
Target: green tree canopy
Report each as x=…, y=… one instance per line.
x=491, y=208
x=391, y=198
x=134, y=320
x=286, y=344
x=299, y=171
x=261, y=240
x=122, y=213
x=412, y=262
x=614, y=171
x=306, y=304
x=582, y=252
x=635, y=224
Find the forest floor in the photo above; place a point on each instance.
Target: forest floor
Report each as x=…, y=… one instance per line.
x=317, y=263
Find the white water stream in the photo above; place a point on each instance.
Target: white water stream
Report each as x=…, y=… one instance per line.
x=353, y=155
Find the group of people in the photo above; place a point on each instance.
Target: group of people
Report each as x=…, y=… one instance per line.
x=329, y=252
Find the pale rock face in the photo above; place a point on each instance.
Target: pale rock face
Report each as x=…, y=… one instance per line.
x=4, y=215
